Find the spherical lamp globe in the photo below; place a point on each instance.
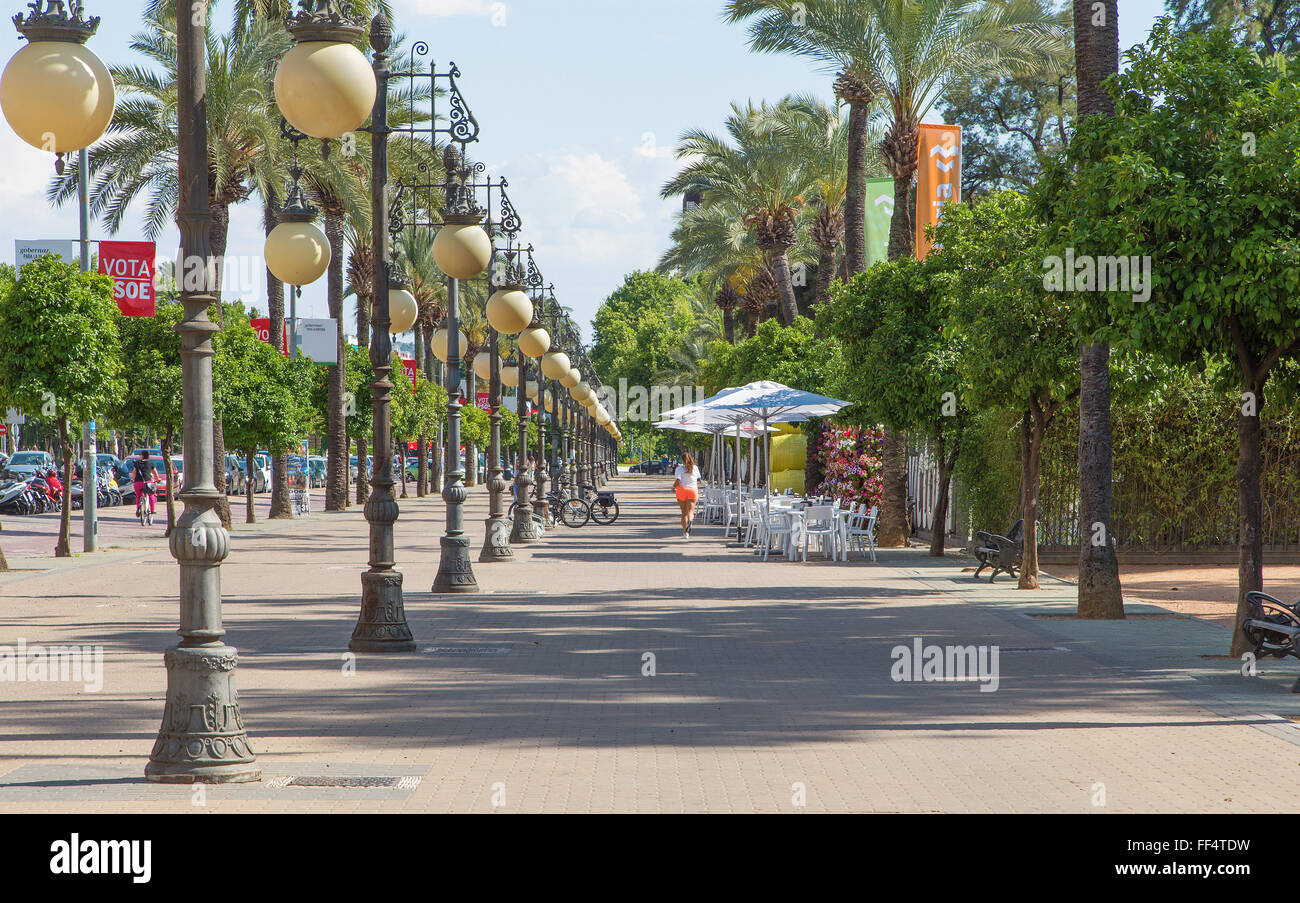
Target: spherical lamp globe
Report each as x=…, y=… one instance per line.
x=555, y=364
x=440, y=350
x=571, y=379
x=509, y=311
x=325, y=89
x=534, y=341
x=462, y=250
x=402, y=311
x=58, y=96
x=297, y=253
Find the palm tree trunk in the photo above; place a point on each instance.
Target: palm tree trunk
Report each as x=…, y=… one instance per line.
x=729, y=325
x=902, y=231
x=781, y=270
x=893, y=501
x=217, y=234
x=280, y=507
x=64, y=549
x=336, y=480
x=1100, y=592
x=855, y=198
x=825, y=272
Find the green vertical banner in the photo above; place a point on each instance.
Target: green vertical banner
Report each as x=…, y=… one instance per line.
x=880, y=213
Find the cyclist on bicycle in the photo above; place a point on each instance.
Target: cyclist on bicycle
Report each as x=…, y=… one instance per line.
x=142, y=474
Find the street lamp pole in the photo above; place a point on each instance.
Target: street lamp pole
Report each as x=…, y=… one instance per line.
x=525, y=531
x=90, y=468
x=202, y=737
x=455, y=569
x=381, y=625
x=496, y=541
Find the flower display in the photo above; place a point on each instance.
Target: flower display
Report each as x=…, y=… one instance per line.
x=851, y=464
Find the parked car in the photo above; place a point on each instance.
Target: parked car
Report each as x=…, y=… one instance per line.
x=236, y=479
x=27, y=463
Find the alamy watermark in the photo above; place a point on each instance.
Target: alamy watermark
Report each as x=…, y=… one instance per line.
x=920, y=663
x=53, y=664
x=647, y=404
x=1088, y=273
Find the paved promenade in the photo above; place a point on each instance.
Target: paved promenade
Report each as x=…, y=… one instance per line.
x=773, y=683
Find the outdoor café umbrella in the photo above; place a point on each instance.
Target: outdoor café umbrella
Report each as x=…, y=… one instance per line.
x=717, y=428
x=765, y=402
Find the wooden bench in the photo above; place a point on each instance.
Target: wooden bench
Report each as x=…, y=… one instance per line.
x=1002, y=553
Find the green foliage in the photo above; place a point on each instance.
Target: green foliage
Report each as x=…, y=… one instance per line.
x=1023, y=351
x=476, y=427
x=265, y=399
x=154, y=392
x=1198, y=166
x=60, y=351
x=899, y=369
x=1270, y=26
x=792, y=355
x=639, y=326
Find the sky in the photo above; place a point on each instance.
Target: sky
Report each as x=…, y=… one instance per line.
x=580, y=103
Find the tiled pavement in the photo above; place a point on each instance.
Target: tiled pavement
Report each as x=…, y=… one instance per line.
x=772, y=684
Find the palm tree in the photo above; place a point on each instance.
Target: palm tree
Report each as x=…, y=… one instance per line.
x=902, y=53
x=755, y=174
x=1096, y=41
x=428, y=285
x=138, y=155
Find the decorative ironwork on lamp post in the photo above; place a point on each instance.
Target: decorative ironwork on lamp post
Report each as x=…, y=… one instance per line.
x=496, y=541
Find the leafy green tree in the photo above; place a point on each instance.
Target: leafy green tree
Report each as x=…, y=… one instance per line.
x=1197, y=163
x=60, y=352
x=1021, y=349
x=154, y=396
x=792, y=355
x=899, y=368
x=1269, y=26
x=265, y=398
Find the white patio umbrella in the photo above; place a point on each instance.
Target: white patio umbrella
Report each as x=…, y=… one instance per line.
x=765, y=402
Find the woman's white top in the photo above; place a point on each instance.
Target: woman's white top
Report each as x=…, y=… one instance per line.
x=688, y=480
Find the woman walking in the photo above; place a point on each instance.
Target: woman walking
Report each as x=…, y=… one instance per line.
x=688, y=492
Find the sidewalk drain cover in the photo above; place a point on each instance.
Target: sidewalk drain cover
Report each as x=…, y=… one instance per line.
x=346, y=781
x=467, y=650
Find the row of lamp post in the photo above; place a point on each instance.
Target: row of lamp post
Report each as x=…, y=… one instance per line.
x=58, y=96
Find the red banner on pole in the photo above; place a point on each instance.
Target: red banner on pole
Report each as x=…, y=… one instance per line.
x=130, y=263
x=263, y=329
x=412, y=371
x=483, y=401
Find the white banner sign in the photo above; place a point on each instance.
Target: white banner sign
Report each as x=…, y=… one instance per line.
x=318, y=340
x=26, y=252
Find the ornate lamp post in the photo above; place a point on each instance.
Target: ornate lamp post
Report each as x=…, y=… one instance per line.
x=509, y=311
x=462, y=250
x=525, y=531
x=202, y=738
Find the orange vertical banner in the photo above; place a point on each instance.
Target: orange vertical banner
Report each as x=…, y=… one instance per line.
x=938, y=178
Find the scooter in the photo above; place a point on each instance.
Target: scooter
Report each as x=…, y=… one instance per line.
x=14, y=497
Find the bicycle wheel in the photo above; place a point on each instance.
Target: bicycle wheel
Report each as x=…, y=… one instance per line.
x=575, y=513
x=604, y=514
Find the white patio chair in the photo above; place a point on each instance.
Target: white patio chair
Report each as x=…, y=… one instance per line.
x=777, y=534
x=862, y=531
x=819, y=522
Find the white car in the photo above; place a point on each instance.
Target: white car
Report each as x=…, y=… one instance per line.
x=261, y=473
